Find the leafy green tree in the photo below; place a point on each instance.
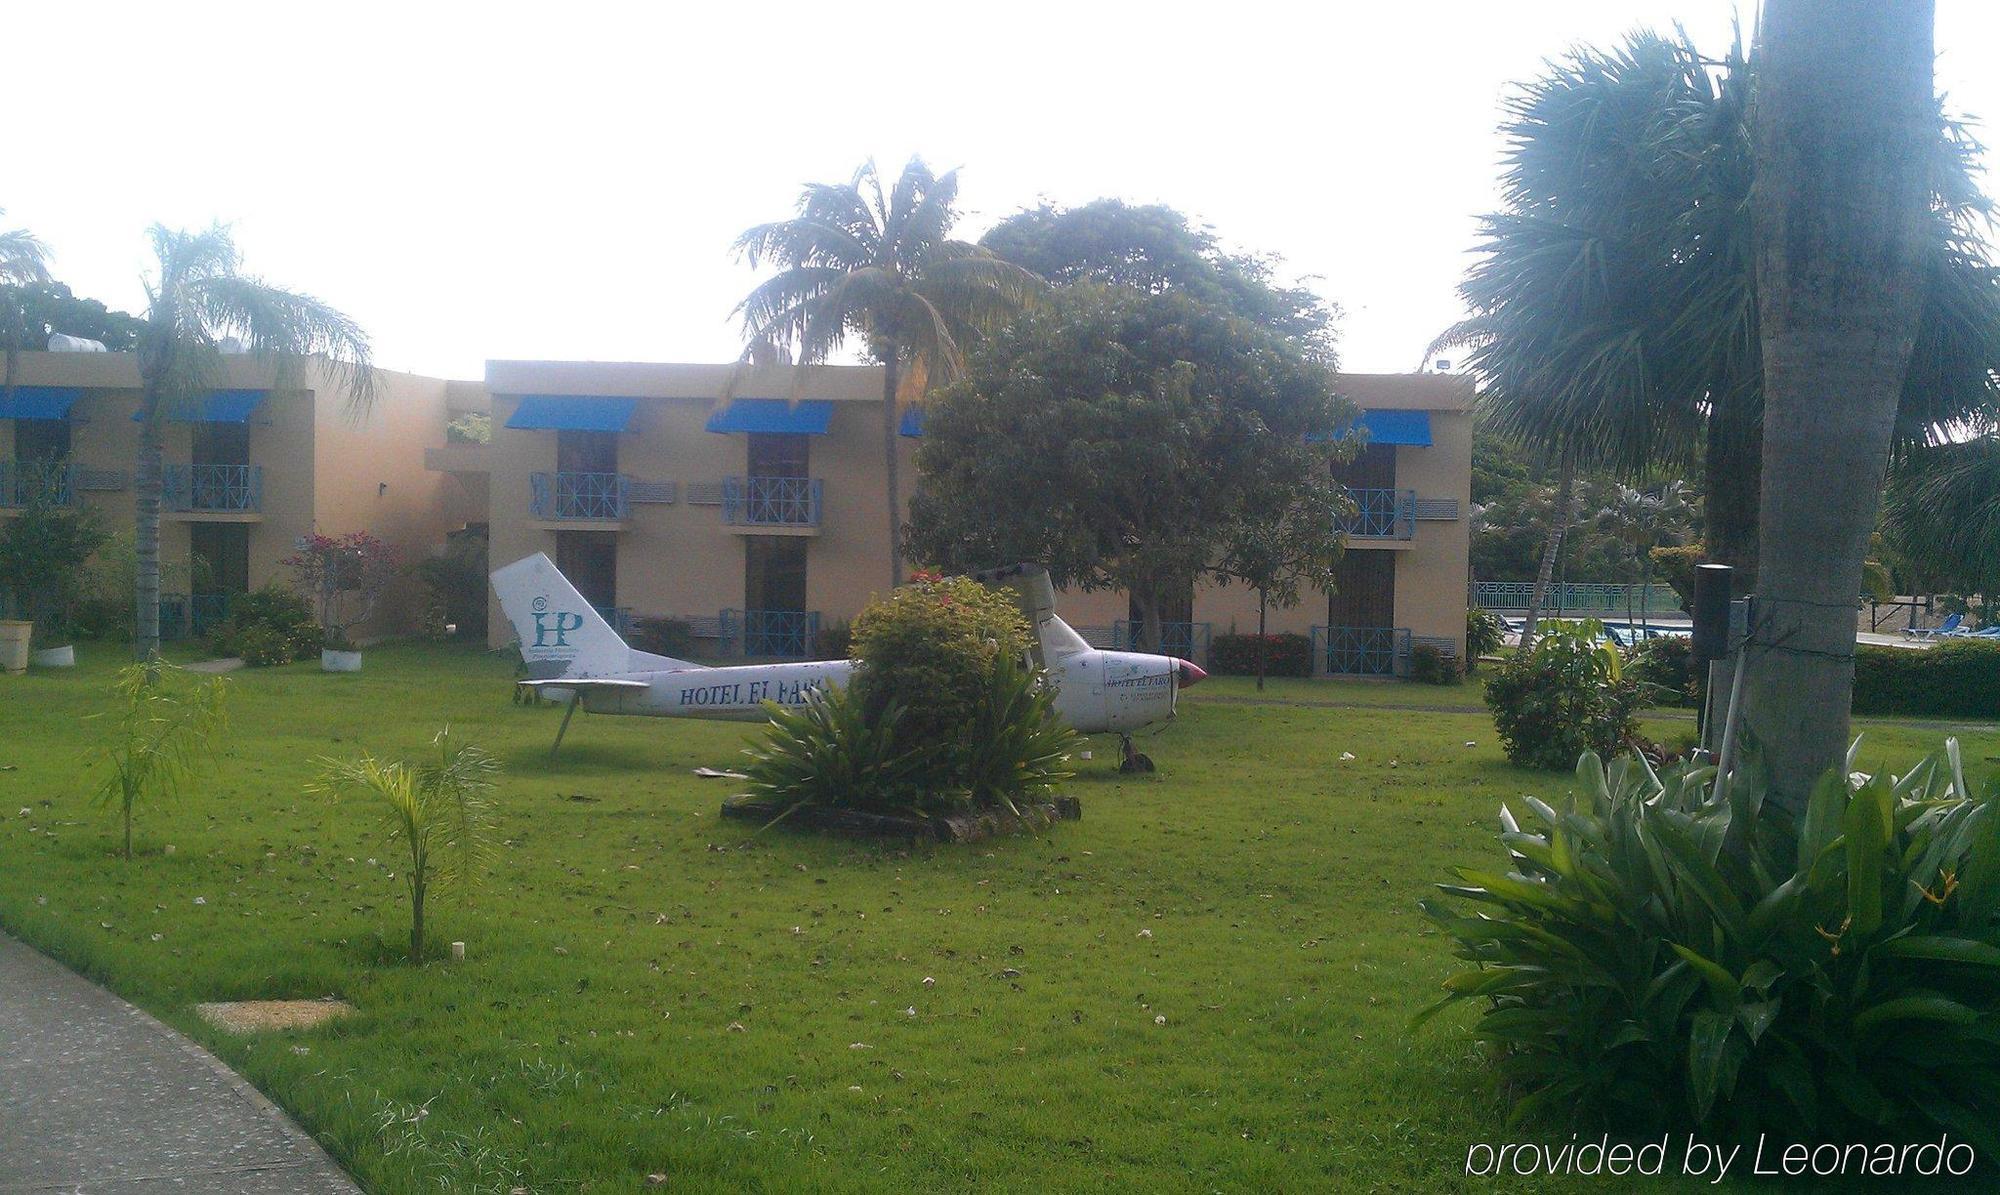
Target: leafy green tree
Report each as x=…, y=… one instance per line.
x=48, y=307
x=858, y=264
x=1615, y=304
x=1848, y=235
x=167, y=726
x=43, y=551
x=1283, y=551
x=442, y=812
x=1154, y=249
x=198, y=296
x=1126, y=441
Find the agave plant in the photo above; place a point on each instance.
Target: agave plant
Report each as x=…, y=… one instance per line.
x=825, y=752
x=1018, y=746
x=1664, y=952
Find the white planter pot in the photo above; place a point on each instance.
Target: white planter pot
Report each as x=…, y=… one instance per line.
x=55, y=657
x=340, y=661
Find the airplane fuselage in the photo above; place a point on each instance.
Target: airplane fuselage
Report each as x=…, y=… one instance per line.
x=1096, y=691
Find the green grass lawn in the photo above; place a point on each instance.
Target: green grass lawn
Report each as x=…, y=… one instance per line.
x=649, y=989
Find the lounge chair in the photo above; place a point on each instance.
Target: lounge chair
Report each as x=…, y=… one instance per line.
x=1948, y=627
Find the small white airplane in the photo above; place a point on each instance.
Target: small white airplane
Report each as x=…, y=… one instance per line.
x=572, y=654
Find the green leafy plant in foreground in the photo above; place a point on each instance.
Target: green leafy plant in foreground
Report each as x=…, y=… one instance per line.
x=1664, y=955
x=442, y=811
x=167, y=727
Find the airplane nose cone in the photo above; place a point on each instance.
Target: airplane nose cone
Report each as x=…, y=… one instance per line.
x=1191, y=674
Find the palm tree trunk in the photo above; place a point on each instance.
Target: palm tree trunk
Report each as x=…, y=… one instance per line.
x=146, y=485
x=889, y=462
x=1845, y=107
x=1559, y=520
x=417, y=922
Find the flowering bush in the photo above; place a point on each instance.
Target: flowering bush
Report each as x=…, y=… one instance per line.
x=931, y=646
x=344, y=577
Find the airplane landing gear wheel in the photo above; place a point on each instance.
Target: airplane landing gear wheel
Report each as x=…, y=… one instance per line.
x=1134, y=761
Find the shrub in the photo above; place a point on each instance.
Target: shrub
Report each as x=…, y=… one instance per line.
x=1562, y=698
x=1236, y=655
x=1666, y=663
x=1952, y=679
x=43, y=550
x=454, y=586
x=1017, y=746
x=663, y=636
x=824, y=752
x=442, y=812
x=272, y=625
x=1484, y=635
x=345, y=577
x=1431, y=666
x=930, y=647
x=1669, y=956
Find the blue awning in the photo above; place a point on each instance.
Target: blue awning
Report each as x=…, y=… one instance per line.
x=808, y=417
x=913, y=422
x=1389, y=427
x=39, y=402
x=219, y=406
x=572, y=413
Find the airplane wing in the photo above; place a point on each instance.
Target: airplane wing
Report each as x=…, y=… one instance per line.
x=586, y=684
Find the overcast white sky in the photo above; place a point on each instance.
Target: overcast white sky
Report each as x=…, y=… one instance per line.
x=563, y=180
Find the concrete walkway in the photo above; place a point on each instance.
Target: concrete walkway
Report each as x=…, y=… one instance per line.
x=98, y=1097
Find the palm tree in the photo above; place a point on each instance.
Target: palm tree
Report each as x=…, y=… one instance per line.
x=23, y=262
x=1845, y=120
x=199, y=296
x=878, y=268
x=1942, y=513
x=1616, y=303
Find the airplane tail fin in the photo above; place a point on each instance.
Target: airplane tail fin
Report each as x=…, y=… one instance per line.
x=561, y=634
x=1037, y=594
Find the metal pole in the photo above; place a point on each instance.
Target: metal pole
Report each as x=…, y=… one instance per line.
x=1712, y=586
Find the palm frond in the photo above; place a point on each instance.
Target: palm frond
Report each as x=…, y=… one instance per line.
x=285, y=327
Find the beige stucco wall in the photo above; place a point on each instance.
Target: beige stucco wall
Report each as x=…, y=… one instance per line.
x=681, y=559
x=320, y=469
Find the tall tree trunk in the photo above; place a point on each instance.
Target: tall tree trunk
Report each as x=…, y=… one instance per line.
x=890, y=429
x=1560, y=517
x=1147, y=598
x=1732, y=464
x=146, y=485
x=1263, y=645
x=1844, y=110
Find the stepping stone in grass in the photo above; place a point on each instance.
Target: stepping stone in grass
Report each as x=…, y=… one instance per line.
x=262, y=1016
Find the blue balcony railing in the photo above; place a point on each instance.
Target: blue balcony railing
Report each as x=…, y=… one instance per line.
x=23, y=482
x=225, y=489
x=1362, y=651
x=1186, y=640
x=790, y=633
x=619, y=617
x=771, y=501
x=1381, y=514
x=580, y=495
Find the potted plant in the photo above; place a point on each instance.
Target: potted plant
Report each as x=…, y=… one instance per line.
x=43, y=551
x=344, y=577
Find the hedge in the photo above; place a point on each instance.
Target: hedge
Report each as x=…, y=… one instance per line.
x=1950, y=680
x=1236, y=655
